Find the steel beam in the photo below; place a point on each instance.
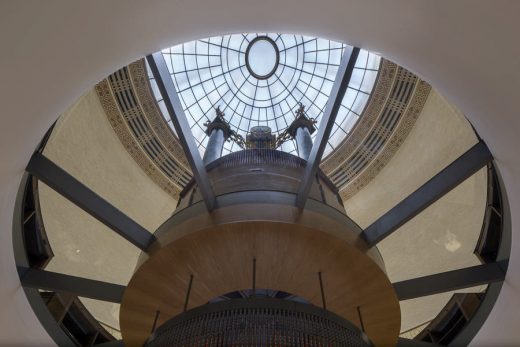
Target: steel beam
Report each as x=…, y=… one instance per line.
x=46, y=280
x=451, y=176
x=348, y=61
x=492, y=292
x=451, y=280
x=174, y=107
x=62, y=182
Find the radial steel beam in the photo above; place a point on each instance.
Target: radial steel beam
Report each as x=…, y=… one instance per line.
x=450, y=177
x=451, y=280
x=62, y=182
x=174, y=107
x=348, y=61
x=46, y=280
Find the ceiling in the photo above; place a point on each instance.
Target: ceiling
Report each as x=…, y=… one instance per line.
x=442, y=238
x=56, y=50
x=216, y=72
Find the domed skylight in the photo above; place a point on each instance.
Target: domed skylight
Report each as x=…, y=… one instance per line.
x=259, y=79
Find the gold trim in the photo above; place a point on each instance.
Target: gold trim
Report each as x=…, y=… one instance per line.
x=131, y=144
x=352, y=148
x=392, y=144
x=336, y=163
x=383, y=86
x=152, y=113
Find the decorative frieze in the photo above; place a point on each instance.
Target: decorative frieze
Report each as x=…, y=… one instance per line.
x=394, y=105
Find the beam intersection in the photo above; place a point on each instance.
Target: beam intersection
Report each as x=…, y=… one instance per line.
x=450, y=177
x=339, y=88
x=69, y=187
x=173, y=105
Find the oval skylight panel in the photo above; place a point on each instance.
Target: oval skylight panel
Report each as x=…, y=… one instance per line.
x=260, y=79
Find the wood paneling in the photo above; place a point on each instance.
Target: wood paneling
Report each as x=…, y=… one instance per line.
x=289, y=257
x=267, y=170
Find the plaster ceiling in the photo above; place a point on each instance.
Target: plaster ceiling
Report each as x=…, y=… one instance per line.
x=442, y=238
x=466, y=49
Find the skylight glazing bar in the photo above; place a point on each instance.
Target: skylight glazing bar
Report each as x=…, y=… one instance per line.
x=339, y=89
x=217, y=72
x=182, y=127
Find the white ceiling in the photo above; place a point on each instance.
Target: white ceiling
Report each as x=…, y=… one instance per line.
x=442, y=238
x=53, y=51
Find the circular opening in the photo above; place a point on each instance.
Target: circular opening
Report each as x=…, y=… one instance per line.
x=262, y=56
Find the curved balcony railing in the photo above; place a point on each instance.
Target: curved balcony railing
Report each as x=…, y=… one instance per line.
x=262, y=169
x=259, y=322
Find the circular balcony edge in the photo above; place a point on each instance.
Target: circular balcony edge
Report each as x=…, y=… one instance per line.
x=261, y=169
x=271, y=206
x=288, y=257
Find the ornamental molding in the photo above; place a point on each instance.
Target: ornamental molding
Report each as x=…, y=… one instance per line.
x=377, y=161
x=115, y=94
x=391, y=112
x=153, y=115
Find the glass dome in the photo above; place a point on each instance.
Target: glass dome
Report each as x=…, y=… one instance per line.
x=259, y=79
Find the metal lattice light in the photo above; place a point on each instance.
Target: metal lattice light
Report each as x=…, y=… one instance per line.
x=257, y=323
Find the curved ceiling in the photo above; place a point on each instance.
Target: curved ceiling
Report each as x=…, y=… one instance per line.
x=291, y=69
x=85, y=144
x=64, y=48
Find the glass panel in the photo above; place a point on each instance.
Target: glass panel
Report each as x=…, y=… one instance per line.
x=214, y=72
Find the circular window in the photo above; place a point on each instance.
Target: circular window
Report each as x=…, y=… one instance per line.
x=262, y=57
x=259, y=79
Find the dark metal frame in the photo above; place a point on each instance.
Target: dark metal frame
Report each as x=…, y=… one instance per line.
x=174, y=107
x=348, y=62
x=79, y=194
x=451, y=280
x=493, y=272
x=504, y=250
x=454, y=174
x=22, y=262
x=225, y=59
x=496, y=269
